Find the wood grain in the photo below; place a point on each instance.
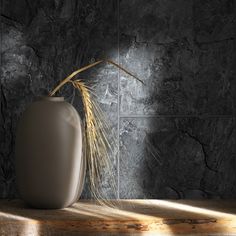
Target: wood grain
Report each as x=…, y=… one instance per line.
x=130, y=217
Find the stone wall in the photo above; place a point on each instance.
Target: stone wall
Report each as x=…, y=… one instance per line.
x=176, y=133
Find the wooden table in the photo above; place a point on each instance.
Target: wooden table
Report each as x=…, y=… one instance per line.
x=132, y=217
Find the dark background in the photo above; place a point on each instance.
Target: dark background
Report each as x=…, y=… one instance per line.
x=176, y=134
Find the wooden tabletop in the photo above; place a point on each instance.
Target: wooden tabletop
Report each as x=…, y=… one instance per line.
x=131, y=217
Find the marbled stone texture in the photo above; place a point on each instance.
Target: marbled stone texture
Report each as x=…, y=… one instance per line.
x=184, y=75
x=41, y=43
x=176, y=133
x=177, y=158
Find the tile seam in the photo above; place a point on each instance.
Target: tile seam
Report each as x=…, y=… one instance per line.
x=118, y=102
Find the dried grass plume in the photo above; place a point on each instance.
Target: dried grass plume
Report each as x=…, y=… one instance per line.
x=99, y=148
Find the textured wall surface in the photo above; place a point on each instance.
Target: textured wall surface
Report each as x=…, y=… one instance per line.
x=176, y=133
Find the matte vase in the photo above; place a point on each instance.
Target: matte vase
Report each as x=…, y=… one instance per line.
x=50, y=167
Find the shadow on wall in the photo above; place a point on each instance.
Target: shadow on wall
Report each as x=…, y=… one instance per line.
x=177, y=132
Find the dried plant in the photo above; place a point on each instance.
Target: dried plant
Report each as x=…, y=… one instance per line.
x=99, y=148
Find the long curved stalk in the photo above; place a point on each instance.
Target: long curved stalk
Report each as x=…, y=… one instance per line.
x=68, y=78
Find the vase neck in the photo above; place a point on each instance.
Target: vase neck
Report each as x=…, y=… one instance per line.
x=53, y=99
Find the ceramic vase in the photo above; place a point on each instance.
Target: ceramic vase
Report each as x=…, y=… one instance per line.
x=50, y=167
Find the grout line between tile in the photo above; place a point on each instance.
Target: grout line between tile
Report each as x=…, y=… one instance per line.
x=176, y=116
x=118, y=102
x=1, y=29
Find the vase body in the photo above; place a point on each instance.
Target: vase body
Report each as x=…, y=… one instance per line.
x=50, y=167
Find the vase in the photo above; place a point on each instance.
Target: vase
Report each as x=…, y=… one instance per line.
x=50, y=167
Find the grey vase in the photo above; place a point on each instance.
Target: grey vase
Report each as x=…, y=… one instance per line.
x=50, y=167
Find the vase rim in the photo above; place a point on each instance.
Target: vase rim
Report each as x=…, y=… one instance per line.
x=53, y=99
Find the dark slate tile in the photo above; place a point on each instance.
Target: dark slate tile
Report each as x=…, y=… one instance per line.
x=214, y=78
x=167, y=71
x=182, y=75
x=73, y=34
x=44, y=47
x=21, y=81
x=157, y=46
x=156, y=21
x=213, y=20
x=177, y=158
x=18, y=11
